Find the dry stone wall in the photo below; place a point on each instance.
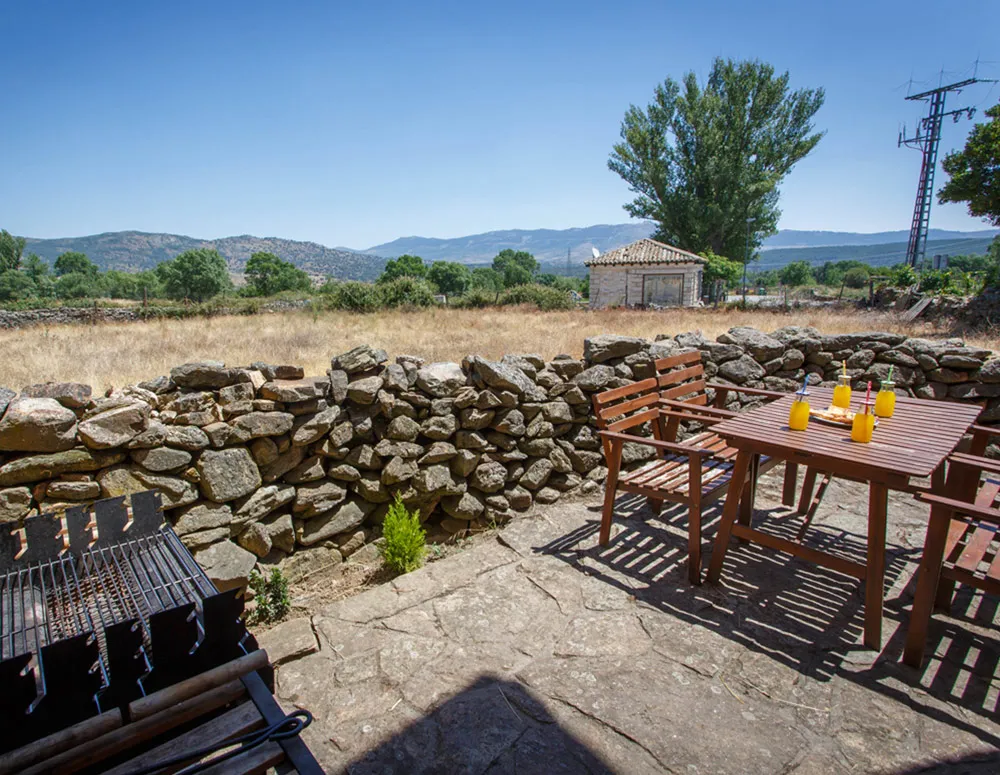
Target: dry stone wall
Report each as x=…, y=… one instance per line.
x=263, y=464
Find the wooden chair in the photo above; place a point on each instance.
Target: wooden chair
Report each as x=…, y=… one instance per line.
x=693, y=471
x=962, y=545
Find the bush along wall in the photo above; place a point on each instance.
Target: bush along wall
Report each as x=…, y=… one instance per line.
x=262, y=464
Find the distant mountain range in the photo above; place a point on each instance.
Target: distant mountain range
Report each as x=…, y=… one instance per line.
x=135, y=250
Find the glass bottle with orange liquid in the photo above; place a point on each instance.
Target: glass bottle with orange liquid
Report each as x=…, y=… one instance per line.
x=798, y=415
x=885, y=401
x=863, y=425
x=842, y=392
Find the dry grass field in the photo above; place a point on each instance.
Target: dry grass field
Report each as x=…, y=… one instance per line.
x=108, y=355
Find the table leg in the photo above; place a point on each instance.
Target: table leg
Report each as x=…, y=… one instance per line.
x=928, y=578
x=729, y=513
x=788, y=489
x=878, y=504
x=749, y=497
x=808, y=484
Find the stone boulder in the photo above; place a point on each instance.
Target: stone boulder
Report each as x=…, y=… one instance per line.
x=315, y=427
x=360, y=359
x=262, y=502
x=73, y=490
x=743, y=369
x=500, y=375
x=73, y=395
x=598, y=349
x=161, y=459
x=203, y=516
x=204, y=374
x=595, y=378
x=226, y=564
x=761, y=346
x=317, y=498
x=258, y=424
x=15, y=502
x=39, y=467
x=227, y=474
x=289, y=640
x=116, y=427
x=295, y=390
x=363, y=391
x=347, y=517
x=440, y=379
x=37, y=425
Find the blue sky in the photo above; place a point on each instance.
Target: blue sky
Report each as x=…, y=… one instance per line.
x=356, y=123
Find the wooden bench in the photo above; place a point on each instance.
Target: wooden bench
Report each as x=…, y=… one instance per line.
x=962, y=546
x=693, y=471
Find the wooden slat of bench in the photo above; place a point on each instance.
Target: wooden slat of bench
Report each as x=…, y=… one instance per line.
x=975, y=549
x=994, y=569
x=698, y=386
x=987, y=493
x=254, y=762
x=625, y=390
x=231, y=724
x=680, y=375
x=956, y=530
x=672, y=361
x=613, y=410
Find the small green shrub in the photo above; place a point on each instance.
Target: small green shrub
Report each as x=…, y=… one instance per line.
x=406, y=292
x=856, y=277
x=475, y=298
x=543, y=297
x=270, y=595
x=355, y=297
x=405, y=540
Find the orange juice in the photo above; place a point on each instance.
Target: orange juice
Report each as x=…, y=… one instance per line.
x=862, y=427
x=842, y=392
x=798, y=416
x=885, y=401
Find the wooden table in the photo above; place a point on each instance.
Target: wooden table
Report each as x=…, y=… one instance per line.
x=912, y=444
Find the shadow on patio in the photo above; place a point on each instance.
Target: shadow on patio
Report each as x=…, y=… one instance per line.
x=492, y=726
x=801, y=615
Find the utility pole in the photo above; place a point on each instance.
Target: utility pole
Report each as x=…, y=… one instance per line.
x=926, y=139
x=746, y=261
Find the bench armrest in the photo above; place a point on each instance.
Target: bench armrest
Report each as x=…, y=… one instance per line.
x=672, y=446
x=749, y=391
x=961, y=507
x=683, y=406
x=975, y=461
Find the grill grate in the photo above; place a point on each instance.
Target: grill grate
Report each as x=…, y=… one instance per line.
x=96, y=611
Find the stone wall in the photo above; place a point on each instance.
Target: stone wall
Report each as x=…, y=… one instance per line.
x=264, y=464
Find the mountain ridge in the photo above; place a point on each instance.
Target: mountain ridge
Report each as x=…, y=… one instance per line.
x=137, y=250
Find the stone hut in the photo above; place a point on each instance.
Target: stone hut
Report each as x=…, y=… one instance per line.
x=646, y=273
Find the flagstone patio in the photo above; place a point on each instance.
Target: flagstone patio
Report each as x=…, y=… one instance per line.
x=540, y=652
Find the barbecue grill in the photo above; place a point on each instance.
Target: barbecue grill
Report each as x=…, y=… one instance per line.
x=100, y=610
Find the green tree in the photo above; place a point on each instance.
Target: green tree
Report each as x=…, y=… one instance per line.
x=35, y=268
x=267, y=275
x=704, y=160
x=195, y=274
x=16, y=285
x=11, y=250
x=975, y=170
x=721, y=268
x=486, y=279
x=78, y=285
x=73, y=261
x=856, y=277
x=451, y=278
x=516, y=267
x=796, y=273
x=404, y=266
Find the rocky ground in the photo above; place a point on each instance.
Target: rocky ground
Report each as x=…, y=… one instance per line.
x=538, y=651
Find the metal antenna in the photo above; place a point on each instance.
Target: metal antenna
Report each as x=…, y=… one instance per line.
x=927, y=139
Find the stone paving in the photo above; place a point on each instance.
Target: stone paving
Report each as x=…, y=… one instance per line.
x=541, y=652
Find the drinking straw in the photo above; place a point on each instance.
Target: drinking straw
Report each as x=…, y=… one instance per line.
x=891, y=367
x=845, y=366
x=868, y=395
x=801, y=392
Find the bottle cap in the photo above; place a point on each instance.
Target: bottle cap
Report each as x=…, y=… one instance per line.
x=888, y=384
x=844, y=379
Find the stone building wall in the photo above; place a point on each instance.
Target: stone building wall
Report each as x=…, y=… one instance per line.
x=622, y=286
x=264, y=464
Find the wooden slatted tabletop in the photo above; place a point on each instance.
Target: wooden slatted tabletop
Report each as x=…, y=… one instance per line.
x=912, y=443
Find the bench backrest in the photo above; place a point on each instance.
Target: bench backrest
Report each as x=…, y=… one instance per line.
x=682, y=377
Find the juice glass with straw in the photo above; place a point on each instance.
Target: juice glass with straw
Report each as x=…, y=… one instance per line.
x=885, y=401
x=863, y=425
x=798, y=415
x=842, y=392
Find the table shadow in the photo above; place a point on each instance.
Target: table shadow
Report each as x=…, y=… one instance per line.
x=804, y=616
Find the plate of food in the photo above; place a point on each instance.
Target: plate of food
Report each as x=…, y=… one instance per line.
x=834, y=415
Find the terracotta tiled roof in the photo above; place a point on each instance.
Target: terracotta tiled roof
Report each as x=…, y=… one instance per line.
x=645, y=251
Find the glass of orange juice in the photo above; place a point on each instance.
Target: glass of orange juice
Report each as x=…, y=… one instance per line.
x=863, y=425
x=798, y=415
x=885, y=401
x=842, y=392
